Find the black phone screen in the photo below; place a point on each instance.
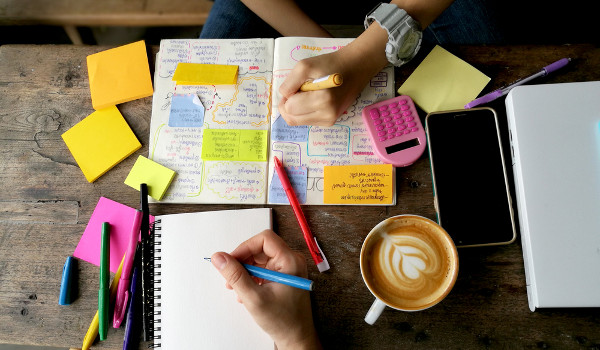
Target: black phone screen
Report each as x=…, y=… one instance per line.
x=469, y=178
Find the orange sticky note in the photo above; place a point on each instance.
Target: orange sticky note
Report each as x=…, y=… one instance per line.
x=359, y=184
x=119, y=75
x=100, y=141
x=205, y=74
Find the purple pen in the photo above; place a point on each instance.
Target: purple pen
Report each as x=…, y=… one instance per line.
x=503, y=91
x=131, y=340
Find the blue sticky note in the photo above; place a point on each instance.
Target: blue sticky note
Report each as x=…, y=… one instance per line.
x=186, y=111
x=298, y=178
x=281, y=131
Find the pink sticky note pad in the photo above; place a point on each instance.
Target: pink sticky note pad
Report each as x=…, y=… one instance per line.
x=120, y=218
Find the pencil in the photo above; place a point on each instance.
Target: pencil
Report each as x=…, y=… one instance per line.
x=325, y=82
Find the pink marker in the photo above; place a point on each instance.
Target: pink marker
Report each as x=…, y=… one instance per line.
x=125, y=281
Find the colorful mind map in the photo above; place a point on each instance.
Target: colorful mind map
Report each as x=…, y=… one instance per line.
x=242, y=115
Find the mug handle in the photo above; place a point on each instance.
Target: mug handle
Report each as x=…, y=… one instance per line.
x=375, y=311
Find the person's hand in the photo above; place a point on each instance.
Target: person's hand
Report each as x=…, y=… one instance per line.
x=284, y=312
x=358, y=62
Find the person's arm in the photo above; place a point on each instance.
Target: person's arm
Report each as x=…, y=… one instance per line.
x=358, y=63
x=286, y=17
x=282, y=311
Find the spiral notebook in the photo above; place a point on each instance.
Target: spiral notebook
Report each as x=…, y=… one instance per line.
x=192, y=307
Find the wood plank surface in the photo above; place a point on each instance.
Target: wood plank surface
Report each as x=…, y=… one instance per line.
x=45, y=204
x=105, y=12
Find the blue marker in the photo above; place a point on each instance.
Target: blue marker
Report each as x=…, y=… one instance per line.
x=279, y=277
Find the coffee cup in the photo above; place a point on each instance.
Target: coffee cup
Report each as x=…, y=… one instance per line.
x=409, y=263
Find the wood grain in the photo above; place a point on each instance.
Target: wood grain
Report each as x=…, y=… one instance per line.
x=45, y=203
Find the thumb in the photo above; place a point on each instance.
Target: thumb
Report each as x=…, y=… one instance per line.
x=235, y=274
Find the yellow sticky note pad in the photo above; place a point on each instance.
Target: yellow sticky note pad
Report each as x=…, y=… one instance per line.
x=443, y=82
x=359, y=184
x=119, y=75
x=235, y=145
x=100, y=141
x=156, y=176
x=205, y=74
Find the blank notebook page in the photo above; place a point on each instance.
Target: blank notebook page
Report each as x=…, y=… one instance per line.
x=197, y=311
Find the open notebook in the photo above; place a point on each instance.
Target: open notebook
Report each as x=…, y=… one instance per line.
x=194, y=310
x=245, y=117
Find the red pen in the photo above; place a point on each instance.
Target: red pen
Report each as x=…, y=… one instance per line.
x=311, y=241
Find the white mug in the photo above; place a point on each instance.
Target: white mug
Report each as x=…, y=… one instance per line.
x=415, y=261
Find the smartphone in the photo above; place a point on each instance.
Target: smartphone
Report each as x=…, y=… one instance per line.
x=471, y=190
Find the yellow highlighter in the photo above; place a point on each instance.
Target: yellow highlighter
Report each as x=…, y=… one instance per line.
x=92, y=332
x=325, y=82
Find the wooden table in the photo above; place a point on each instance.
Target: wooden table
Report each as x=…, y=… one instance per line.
x=46, y=203
x=85, y=13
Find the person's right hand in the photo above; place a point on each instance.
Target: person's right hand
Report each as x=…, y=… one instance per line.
x=282, y=311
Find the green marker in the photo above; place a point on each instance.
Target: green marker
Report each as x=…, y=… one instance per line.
x=103, y=293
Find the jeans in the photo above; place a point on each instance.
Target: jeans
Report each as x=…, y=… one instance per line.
x=464, y=22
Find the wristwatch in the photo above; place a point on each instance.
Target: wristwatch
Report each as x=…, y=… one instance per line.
x=404, y=33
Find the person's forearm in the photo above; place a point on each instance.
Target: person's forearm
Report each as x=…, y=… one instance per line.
x=286, y=17
x=423, y=11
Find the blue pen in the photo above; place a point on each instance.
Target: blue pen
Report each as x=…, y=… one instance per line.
x=131, y=340
x=279, y=277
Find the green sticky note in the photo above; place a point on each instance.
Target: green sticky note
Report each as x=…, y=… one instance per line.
x=234, y=145
x=156, y=176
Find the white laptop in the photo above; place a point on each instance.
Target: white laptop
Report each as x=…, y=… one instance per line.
x=555, y=139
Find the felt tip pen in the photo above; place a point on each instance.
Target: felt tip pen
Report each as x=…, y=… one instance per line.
x=103, y=292
x=505, y=90
x=279, y=277
x=124, y=282
x=326, y=82
x=92, y=331
x=131, y=340
x=146, y=246
x=311, y=241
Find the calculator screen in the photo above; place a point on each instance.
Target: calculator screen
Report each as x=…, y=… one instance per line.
x=402, y=146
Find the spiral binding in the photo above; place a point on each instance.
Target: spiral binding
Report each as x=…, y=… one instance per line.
x=152, y=313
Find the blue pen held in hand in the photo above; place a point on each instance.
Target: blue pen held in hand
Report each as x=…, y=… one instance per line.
x=279, y=277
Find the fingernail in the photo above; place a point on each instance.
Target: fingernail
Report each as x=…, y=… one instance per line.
x=218, y=261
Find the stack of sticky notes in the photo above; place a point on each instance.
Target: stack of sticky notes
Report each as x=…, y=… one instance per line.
x=100, y=141
x=119, y=75
x=157, y=177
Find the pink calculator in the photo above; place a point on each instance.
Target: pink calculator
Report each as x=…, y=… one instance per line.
x=396, y=132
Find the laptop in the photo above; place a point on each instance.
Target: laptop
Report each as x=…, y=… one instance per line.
x=555, y=143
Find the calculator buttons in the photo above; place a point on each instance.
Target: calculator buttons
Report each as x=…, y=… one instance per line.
x=396, y=132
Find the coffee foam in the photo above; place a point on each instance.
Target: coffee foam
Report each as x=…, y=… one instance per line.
x=408, y=264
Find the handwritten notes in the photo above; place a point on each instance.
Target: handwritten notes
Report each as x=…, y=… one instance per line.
x=240, y=145
x=359, y=184
x=443, y=81
x=119, y=75
x=157, y=177
x=186, y=111
x=298, y=179
x=205, y=74
x=100, y=141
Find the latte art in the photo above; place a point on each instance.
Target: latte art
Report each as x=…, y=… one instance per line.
x=410, y=263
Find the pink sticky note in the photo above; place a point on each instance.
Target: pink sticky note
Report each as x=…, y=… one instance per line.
x=120, y=218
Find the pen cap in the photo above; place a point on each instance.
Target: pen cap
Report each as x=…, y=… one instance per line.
x=67, y=281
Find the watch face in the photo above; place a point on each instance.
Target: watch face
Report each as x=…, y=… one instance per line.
x=407, y=50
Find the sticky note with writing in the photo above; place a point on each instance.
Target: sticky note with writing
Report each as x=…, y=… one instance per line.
x=205, y=74
x=359, y=184
x=231, y=144
x=186, y=111
x=298, y=179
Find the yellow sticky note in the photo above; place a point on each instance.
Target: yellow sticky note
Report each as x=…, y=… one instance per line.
x=119, y=75
x=359, y=184
x=205, y=74
x=233, y=144
x=100, y=141
x=443, y=82
x=156, y=176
